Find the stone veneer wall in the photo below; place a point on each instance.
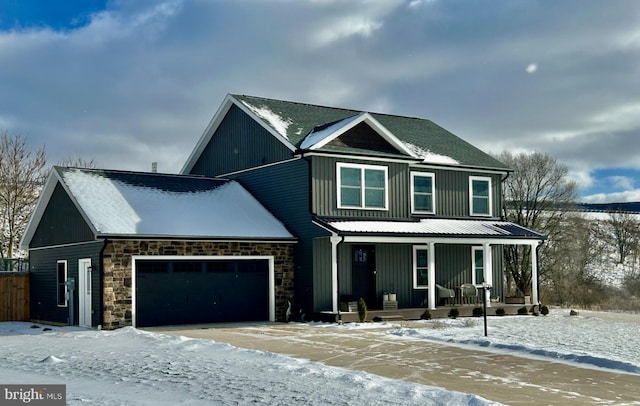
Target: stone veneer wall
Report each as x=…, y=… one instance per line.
x=117, y=270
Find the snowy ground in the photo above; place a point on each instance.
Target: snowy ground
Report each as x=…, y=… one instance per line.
x=134, y=367
x=591, y=339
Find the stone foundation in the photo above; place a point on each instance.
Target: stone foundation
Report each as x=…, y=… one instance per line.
x=117, y=270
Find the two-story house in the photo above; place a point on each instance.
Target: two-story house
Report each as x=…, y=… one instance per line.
x=282, y=209
x=379, y=203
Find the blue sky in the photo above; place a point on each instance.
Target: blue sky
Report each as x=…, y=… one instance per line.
x=126, y=83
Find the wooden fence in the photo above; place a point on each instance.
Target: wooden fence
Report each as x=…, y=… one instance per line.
x=14, y=296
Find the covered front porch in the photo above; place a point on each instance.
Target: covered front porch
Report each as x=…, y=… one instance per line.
x=413, y=263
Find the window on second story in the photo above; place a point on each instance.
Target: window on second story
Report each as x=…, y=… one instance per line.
x=480, y=196
x=362, y=186
x=423, y=193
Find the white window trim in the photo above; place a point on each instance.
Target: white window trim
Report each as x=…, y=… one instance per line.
x=471, y=210
x=362, y=167
x=433, y=192
x=66, y=276
x=473, y=265
x=415, y=265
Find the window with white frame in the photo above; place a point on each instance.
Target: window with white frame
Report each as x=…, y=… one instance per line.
x=477, y=265
x=61, y=279
x=480, y=195
x=420, y=266
x=362, y=186
x=423, y=193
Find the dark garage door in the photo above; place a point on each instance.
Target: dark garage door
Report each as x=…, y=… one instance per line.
x=205, y=291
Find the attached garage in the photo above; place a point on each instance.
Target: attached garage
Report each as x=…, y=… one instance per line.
x=179, y=290
x=159, y=249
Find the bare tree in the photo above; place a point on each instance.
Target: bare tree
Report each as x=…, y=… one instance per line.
x=22, y=175
x=536, y=196
x=624, y=229
x=78, y=162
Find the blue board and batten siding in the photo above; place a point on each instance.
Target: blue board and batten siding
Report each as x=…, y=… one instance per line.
x=62, y=234
x=43, y=268
x=61, y=223
x=451, y=190
x=239, y=143
x=394, y=271
x=283, y=189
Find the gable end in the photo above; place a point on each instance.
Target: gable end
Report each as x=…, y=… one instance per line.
x=61, y=222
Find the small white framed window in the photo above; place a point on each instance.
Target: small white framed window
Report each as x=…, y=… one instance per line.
x=423, y=187
x=477, y=265
x=61, y=279
x=420, y=266
x=362, y=186
x=480, y=196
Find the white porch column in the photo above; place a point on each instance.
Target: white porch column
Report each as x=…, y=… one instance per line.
x=432, y=276
x=488, y=270
x=534, y=274
x=335, y=240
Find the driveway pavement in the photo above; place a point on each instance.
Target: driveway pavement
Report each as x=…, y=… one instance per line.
x=503, y=378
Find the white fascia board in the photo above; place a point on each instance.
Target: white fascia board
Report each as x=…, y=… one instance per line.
x=348, y=123
x=375, y=125
x=388, y=135
x=437, y=240
x=207, y=134
x=461, y=168
x=43, y=201
x=260, y=121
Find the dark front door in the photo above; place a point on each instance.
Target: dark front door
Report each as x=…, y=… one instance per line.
x=363, y=274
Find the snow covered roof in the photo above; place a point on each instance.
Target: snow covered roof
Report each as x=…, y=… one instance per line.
x=118, y=203
x=301, y=126
x=432, y=227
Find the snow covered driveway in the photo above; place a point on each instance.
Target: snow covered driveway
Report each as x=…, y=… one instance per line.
x=525, y=360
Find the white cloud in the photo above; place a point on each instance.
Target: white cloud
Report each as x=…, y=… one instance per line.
x=617, y=197
x=622, y=182
x=344, y=28
x=532, y=68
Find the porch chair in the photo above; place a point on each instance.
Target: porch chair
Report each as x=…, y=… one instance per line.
x=468, y=293
x=444, y=295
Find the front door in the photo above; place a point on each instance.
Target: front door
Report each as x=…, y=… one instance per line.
x=84, y=292
x=363, y=274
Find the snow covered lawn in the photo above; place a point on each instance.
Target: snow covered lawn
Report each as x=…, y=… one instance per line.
x=591, y=339
x=135, y=367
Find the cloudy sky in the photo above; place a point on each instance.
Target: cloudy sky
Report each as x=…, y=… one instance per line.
x=126, y=83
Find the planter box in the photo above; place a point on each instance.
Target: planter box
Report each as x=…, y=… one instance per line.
x=514, y=300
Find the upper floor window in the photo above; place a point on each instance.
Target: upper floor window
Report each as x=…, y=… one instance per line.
x=362, y=186
x=61, y=279
x=423, y=193
x=420, y=266
x=477, y=266
x=480, y=195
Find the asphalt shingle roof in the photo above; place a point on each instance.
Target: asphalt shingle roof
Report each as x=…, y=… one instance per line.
x=297, y=120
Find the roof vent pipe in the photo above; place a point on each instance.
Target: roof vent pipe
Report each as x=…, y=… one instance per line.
x=154, y=167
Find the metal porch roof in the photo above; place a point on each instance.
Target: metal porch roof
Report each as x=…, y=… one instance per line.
x=445, y=228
